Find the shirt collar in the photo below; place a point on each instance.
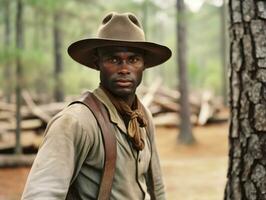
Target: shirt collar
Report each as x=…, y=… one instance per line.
x=114, y=116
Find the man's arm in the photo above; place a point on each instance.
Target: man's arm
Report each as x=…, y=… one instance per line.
x=158, y=185
x=58, y=160
x=155, y=180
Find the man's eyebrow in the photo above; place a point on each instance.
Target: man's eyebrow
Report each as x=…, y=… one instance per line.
x=114, y=53
x=109, y=55
x=105, y=54
x=138, y=54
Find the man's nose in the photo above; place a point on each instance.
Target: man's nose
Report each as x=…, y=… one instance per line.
x=124, y=67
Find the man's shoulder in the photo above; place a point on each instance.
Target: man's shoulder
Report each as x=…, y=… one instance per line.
x=77, y=112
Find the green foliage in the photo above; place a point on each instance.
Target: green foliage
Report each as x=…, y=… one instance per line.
x=204, y=49
x=205, y=75
x=48, y=5
x=80, y=19
x=83, y=79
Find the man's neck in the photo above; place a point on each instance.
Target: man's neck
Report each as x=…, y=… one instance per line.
x=129, y=100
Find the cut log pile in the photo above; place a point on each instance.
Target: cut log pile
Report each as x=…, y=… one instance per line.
x=164, y=105
x=162, y=102
x=34, y=119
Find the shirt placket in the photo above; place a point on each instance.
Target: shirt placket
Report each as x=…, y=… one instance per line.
x=140, y=168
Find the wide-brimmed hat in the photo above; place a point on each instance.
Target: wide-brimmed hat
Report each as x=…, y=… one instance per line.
x=122, y=30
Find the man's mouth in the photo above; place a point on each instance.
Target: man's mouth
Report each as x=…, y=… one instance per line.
x=123, y=82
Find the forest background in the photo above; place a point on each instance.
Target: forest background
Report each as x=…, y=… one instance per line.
x=48, y=27
x=77, y=19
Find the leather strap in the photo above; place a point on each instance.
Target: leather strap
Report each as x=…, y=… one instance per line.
x=109, y=141
x=100, y=113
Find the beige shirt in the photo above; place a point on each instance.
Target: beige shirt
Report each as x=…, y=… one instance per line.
x=71, y=158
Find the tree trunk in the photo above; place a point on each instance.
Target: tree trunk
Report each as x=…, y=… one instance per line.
x=7, y=70
x=19, y=72
x=145, y=11
x=37, y=28
x=185, y=135
x=247, y=79
x=223, y=31
x=58, y=63
x=145, y=14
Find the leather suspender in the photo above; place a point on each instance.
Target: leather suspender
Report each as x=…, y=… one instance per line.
x=109, y=140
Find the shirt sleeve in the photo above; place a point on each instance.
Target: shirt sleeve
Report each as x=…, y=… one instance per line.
x=155, y=180
x=64, y=147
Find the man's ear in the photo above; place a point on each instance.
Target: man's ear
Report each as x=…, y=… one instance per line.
x=96, y=64
x=96, y=60
x=144, y=64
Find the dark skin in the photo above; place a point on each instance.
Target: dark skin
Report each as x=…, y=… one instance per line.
x=121, y=70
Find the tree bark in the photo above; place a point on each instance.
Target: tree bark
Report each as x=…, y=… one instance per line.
x=185, y=135
x=7, y=70
x=58, y=62
x=247, y=79
x=19, y=72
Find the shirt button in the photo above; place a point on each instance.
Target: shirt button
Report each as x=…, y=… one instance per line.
x=139, y=159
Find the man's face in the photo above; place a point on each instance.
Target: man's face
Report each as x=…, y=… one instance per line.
x=121, y=69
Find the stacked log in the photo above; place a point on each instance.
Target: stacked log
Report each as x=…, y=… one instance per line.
x=33, y=123
x=162, y=102
x=164, y=106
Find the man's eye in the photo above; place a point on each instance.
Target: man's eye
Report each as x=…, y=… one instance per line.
x=113, y=60
x=135, y=59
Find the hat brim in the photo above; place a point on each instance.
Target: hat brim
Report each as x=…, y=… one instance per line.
x=83, y=51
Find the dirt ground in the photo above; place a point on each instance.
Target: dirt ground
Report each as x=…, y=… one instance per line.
x=195, y=172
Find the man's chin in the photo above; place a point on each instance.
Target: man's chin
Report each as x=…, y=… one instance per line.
x=124, y=92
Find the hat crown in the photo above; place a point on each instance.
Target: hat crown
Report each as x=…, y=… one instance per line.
x=123, y=30
x=125, y=27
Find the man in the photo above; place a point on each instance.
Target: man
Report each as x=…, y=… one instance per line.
x=70, y=162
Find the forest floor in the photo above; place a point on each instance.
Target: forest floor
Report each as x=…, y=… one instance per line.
x=195, y=172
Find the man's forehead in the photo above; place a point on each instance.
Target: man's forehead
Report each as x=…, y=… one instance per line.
x=109, y=50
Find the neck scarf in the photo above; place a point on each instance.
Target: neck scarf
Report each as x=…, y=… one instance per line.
x=133, y=118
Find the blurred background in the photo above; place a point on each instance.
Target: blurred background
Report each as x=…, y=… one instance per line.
x=38, y=78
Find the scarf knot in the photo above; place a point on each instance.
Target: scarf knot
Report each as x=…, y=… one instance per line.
x=137, y=114
x=136, y=119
